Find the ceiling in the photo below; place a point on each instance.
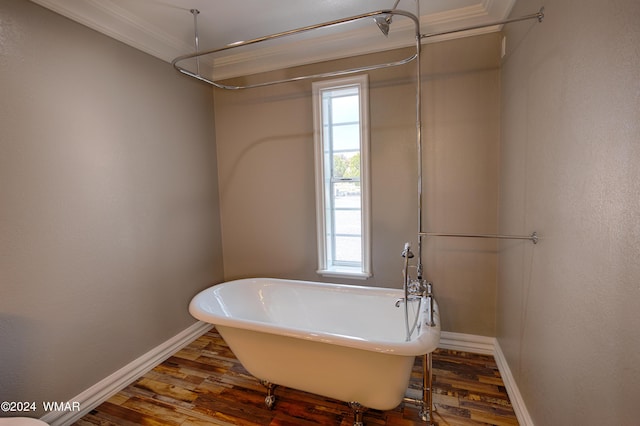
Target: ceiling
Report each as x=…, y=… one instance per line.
x=165, y=28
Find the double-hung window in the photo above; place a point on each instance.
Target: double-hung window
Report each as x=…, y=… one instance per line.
x=342, y=176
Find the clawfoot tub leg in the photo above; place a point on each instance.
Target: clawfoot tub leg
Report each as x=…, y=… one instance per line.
x=358, y=410
x=270, y=399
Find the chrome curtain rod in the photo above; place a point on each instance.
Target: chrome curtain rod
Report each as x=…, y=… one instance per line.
x=539, y=16
x=533, y=237
x=304, y=77
x=197, y=55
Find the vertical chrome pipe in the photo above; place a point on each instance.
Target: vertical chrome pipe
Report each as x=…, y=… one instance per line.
x=427, y=391
x=419, y=142
x=195, y=13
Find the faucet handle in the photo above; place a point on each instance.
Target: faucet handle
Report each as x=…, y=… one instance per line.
x=429, y=287
x=414, y=287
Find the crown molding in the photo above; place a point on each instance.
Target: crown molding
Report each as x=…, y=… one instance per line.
x=117, y=22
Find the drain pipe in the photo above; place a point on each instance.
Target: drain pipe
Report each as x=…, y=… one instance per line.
x=424, y=399
x=426, y=413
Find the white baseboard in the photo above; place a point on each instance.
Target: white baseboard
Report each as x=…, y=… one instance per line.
x=512, y=389
x=489, y=346
x=467, y=342
x=104, y=389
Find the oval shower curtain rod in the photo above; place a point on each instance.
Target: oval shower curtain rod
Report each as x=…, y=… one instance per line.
x=235, y=45
x=539, y=16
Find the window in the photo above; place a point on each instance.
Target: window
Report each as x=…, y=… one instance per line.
x=342, y=177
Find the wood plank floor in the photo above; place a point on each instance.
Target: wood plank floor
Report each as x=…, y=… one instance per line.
x=204, y=384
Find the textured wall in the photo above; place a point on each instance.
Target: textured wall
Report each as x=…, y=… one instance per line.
x=568, y=308
x=109, y=218
x=266, y=170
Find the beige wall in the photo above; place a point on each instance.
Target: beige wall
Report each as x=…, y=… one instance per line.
x=569, y=307
x=108, y=203
x=266, y=171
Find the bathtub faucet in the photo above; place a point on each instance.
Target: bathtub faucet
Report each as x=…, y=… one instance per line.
x=416, y=288
x=423, y=288
x=413, y=288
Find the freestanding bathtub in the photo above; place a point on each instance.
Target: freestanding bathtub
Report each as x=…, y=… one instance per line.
x=339, y=341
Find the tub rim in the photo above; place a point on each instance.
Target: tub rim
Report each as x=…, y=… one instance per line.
x=426, y=341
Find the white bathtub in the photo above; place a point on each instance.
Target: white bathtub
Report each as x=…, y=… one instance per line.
x=339, y=341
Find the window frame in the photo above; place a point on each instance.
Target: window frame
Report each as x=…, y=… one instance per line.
x=325, y=267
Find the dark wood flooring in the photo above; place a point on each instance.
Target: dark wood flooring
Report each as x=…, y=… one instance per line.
x=204, y=384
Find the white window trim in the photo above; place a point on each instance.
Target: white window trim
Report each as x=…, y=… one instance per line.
x=364, y=272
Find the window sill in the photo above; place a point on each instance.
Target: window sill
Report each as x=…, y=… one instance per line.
x=344, y=273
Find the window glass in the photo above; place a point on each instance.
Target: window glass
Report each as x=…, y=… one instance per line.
x=340, y=117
